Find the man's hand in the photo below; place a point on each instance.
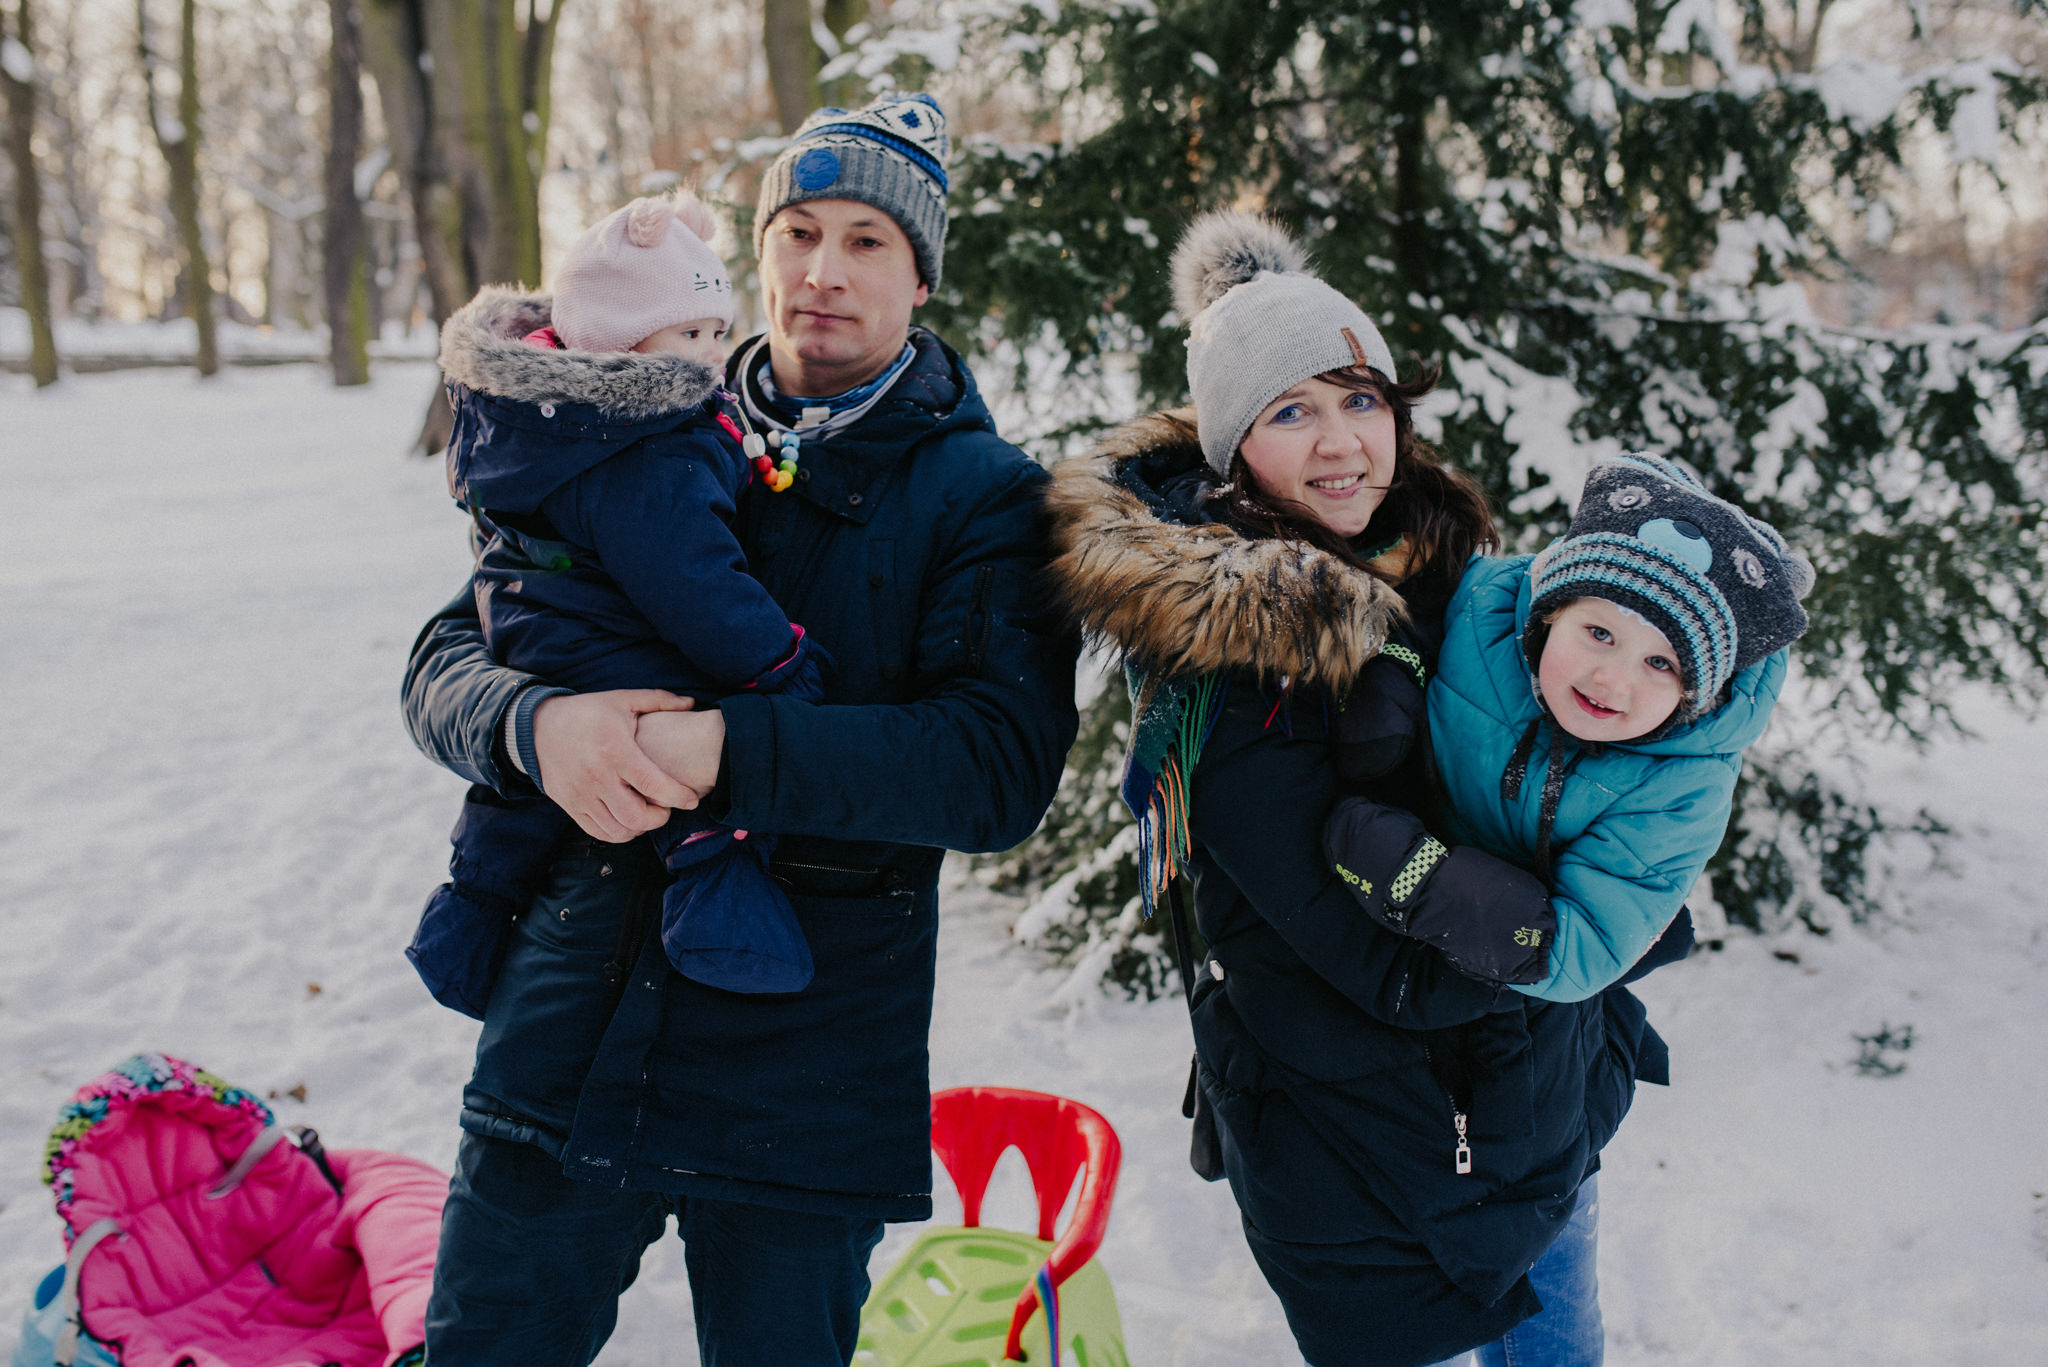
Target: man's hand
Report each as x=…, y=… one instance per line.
x=592, y=769
x=687, y=745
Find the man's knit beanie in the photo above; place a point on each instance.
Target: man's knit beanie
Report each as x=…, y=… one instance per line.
x=890, y=154
x=641, y=269
x=1259, y=323
x=1721, y=585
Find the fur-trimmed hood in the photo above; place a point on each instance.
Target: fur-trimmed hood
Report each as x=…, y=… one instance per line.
x=529, y=419
x=481, y=350
x=1137, y=569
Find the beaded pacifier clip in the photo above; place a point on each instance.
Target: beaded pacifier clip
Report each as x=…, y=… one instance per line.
x=777, y=475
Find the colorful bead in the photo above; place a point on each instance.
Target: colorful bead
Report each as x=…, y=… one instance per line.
x=753, y=445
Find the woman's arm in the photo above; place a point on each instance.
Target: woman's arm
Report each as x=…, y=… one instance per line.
x=1259, y=797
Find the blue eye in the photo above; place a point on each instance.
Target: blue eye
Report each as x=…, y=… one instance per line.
x=1601, y=634
x=1362, y=402
x=1661, y=665
x=1291, y=413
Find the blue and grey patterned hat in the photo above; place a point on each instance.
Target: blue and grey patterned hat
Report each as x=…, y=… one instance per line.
x=891, y=154
x=1722, y=586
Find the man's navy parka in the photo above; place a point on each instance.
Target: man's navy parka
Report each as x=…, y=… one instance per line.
x=912, y=547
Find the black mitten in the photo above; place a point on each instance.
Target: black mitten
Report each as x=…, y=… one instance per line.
x=1493, y=921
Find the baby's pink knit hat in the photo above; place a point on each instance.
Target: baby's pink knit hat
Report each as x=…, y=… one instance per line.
x=643, y=268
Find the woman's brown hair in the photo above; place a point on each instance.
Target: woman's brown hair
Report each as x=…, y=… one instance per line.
x=1440, y=515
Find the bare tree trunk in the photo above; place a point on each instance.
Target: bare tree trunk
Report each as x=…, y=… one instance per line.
x=792, y=59
x=77, y=196
x=18, y=80
x=466, y=90
x=840, y=16
x=348, y=299
x=177, y=137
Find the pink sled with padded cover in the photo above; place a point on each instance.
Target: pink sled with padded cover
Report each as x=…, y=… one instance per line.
x=201, y=1233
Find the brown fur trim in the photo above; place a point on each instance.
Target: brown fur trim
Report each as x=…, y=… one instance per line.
x=1198, y=600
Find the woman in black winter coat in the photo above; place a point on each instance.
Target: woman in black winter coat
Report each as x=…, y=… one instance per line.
x=1405, y=1143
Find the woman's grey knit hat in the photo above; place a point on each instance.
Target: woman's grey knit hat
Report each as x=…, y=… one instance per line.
x=1722, y=586
x=890, y=154
x=1259, y=323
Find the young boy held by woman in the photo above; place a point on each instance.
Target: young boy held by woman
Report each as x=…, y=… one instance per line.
x=1587, y=718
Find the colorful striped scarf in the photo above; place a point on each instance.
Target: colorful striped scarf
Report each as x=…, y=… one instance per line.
x=1170, y=721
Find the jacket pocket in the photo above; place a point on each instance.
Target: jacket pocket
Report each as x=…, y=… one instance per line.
x=886, y=606
x=582, y=905
x=980, y=619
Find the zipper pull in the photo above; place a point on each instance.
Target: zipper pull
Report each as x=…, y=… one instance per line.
x=1464, y=1150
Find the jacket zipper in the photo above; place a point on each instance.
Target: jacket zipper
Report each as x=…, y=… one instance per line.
x=825, y=868
x=1461, y=1156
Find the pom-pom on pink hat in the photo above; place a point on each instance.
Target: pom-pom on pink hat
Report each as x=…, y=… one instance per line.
x=643, y=268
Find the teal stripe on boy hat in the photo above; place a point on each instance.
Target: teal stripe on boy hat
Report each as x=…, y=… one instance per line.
x=890, y=154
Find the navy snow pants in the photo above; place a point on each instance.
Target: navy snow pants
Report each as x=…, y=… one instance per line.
x=532, y=1262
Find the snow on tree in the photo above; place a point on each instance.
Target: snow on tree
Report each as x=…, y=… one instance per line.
x=1596, y=216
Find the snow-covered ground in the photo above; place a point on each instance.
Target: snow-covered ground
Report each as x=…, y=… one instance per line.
x=214, y=837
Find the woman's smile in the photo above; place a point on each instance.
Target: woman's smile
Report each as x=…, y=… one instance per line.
x=1328, y=449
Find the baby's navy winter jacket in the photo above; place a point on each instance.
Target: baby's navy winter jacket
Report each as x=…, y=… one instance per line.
x=603, y=493
x=1635, y=823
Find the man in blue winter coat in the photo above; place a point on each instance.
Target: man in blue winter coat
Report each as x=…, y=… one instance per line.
x=781, y=1130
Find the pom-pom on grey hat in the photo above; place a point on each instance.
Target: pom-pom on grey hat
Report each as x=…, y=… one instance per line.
x=1259, y=323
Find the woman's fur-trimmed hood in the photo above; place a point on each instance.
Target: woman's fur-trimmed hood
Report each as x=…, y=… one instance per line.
x=1201, y=599
x=482, y=350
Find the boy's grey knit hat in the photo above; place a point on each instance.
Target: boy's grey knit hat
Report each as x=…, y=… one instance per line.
x=891, y=154
x=1722, y=586
x=1259, y=323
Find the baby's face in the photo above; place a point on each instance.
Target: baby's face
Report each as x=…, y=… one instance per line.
x=1606, y=674
x=699, y=339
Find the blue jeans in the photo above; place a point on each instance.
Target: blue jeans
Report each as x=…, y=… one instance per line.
x=532, y=1263
x=1566, y=1332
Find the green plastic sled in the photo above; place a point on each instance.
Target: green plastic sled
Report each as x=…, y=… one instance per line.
x=966, y=1296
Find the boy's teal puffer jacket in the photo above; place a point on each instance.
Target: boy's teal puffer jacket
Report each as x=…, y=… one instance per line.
x=1635, y=824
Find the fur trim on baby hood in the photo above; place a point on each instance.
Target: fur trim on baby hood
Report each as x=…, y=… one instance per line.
x=481, y=349
x=1184, y=600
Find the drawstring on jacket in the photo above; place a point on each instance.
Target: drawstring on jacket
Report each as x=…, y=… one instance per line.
x=1553, y=784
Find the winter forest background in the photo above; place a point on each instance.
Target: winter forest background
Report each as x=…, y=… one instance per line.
x=1802, y=246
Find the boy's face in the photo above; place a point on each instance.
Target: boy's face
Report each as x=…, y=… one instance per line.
x=699, y=339
x=1606, y=674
